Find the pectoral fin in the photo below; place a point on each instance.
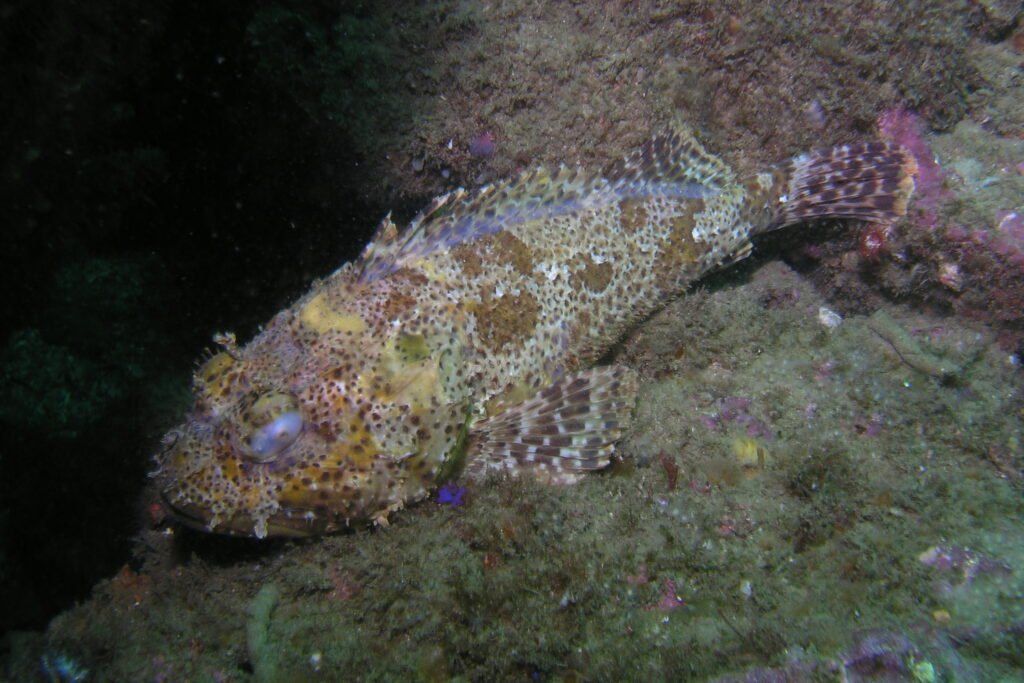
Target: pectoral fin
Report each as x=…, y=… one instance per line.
x=562, y=432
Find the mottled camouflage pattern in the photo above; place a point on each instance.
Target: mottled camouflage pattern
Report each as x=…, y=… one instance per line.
x=467, y=340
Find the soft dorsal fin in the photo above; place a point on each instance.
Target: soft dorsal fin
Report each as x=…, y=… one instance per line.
x=673, y=165
x=461, y=216
x=673, y=159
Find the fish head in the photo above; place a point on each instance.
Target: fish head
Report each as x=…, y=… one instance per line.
x=332, y=415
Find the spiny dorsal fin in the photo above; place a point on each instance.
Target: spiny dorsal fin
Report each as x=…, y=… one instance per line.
x=673, y=165
x=565, y=430
x=674, y=159
x=388, y=244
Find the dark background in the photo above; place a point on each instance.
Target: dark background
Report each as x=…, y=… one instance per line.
x=156, y=188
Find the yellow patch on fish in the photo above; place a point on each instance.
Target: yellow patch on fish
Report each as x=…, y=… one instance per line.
x=318, y=316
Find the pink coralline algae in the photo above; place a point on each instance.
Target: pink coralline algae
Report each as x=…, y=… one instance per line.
x=1011, y=224
x=734, y=410
x=670, y=599
x=482, y=145
x=825, y=370
x=873, y=657
x=1006, y=241
x=640, y=578
x=880, y=656
x=873, y=242
x=1009, y=241
x=962, y=562
x=906, y=128
x=869, y=426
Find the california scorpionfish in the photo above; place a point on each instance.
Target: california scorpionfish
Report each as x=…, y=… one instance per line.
x=466, y=343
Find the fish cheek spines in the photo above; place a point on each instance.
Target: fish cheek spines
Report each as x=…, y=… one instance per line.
x=218, y=384
x=218, y=472
x=189, y=473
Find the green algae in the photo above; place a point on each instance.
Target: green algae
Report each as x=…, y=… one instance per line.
x=257, y=633
x=92, y=348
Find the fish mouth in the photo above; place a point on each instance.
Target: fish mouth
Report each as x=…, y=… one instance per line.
x=284, y=524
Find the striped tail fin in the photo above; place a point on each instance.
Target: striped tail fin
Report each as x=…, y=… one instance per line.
x=870, y=181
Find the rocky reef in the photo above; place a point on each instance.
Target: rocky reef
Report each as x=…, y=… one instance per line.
x=825, y=475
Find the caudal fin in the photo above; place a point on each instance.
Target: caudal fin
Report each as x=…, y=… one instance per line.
x=871, y=181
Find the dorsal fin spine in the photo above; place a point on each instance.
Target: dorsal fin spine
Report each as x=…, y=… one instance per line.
x=673, y=165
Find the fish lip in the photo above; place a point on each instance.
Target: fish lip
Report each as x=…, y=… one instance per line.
x=181, y=514
x=289, y=523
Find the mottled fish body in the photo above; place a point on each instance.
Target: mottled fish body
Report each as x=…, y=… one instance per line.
x=466, y=342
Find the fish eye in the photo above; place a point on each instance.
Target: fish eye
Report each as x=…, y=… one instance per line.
x=272, y=424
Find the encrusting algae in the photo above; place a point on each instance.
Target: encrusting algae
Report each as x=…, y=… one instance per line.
x=466, y=342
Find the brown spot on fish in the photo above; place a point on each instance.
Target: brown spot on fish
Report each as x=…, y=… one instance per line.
x=499, y=248
x=678, y=249
x=584, y=321
x=506, y=319
x=466, y=256
x=508, y=248
x=400, y=299
x=593, y=276
x=633, y=215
